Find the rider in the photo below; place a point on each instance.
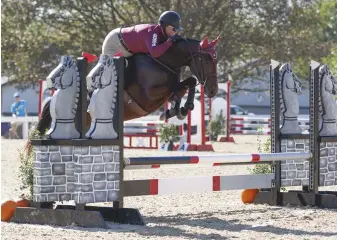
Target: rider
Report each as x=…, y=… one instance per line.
x=144, y=38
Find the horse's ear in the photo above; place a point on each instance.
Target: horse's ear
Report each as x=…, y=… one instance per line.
x=215, y=41
x=204, y=43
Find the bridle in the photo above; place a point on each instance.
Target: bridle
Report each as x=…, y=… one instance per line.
x=202, y=81
x=202, y=78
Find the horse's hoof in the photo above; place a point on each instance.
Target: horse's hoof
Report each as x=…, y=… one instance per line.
x=162, y=116
x=181, y=116
x=190, y=106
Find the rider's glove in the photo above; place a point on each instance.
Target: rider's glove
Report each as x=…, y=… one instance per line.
x=175, y=37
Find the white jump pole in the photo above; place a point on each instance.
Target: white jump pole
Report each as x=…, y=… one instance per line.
x=213, y=160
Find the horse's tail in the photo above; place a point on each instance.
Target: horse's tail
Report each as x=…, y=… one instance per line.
x=45, y=119
x=43, y=124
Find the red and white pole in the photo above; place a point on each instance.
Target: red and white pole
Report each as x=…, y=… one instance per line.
x=228, y=109
x=202, y=101
x=189, y=128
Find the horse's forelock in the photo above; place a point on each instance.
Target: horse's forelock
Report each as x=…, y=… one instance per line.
x=211, y=50
x=192, y=40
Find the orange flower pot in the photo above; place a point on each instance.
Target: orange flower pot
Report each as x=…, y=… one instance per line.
x=23, y=203
x=248, y=195
x=7, y=210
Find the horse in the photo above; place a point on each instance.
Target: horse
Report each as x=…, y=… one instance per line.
x=149, y=82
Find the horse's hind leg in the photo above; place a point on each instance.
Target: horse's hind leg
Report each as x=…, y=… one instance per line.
x=42, y=125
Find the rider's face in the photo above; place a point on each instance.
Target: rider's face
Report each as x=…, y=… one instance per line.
x=170, y=31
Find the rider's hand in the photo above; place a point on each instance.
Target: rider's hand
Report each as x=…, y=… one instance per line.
x=175, y=37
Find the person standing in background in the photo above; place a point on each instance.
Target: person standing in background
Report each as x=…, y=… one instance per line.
x=18, y=109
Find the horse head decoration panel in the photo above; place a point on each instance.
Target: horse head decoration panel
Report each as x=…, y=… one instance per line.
x=290, y=86
x=103, y=78
x=327, y=102
x=65, y=78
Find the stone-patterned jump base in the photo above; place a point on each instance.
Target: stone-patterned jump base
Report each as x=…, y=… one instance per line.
x=81, y=173
x=296, y=172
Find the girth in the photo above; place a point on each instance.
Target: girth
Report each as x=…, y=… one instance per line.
x=130, y=103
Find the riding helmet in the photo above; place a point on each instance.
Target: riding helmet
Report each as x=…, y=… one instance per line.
x=171, y=18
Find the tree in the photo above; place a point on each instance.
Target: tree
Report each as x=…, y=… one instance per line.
x=30, y=48
x=252, y=32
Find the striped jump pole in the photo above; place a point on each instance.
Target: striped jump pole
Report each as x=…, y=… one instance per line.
x=213, y=160
x=196, y=184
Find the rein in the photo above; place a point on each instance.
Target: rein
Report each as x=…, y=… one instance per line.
x=162, y=64
x=195, y=65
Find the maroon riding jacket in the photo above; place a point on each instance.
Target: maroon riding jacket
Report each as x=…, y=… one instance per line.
x=146, y=38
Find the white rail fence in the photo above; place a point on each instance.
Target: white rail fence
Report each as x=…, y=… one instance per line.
x=251, y=125
x=239, y=125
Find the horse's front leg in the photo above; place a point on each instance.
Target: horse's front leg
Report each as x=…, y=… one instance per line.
x=175, y=100
x=190, y=84
x=174, y=110
x=178, y=94
x=189, y=104
x=183, y=86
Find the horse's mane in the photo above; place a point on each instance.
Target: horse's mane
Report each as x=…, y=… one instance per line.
x=192, y=40
x=189, y=40
x=170, y=51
